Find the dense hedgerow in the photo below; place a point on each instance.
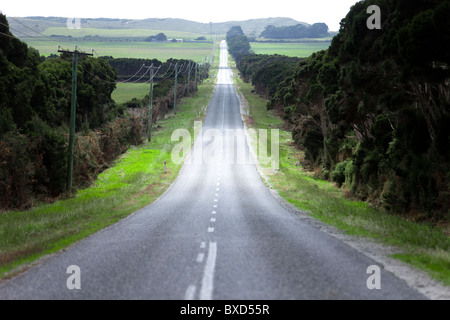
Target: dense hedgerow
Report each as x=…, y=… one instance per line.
x=373, y=110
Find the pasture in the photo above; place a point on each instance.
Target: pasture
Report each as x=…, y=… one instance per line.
x=129, y=49
x=127, y=91
x=119, y=33
x=301, y=50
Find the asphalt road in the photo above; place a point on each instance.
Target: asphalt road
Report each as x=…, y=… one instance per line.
x=217, y=233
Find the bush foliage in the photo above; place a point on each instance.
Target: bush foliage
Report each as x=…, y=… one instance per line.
x=373, y=110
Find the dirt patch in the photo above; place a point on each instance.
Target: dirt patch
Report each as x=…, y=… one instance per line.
x=249, y=121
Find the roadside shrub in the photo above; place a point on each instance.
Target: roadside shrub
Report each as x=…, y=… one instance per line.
x=349, y=175
x=16, y=171
x=48, y=148
x=338, y=175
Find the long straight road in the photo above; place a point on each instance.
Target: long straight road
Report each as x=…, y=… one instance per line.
x=217, y=233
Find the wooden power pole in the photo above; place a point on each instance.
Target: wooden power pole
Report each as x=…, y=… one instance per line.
x=73, y=112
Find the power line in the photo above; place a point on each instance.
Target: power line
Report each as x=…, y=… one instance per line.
x=50, y=39
x=148, y=70
x=129, y=79
x=153, y=75
x=10, y=36
x=184, y=71
x=126, y=81
x=26, y=34
x=166, y=71
x=132, y=77
x=96, y=76
x=45, y=36
x=113, y=80
x=170, y=75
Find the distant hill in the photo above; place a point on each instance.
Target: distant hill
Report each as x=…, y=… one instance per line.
x=250, y=27
x=256, y=26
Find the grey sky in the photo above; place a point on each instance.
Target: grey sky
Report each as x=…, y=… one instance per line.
x=329, y=11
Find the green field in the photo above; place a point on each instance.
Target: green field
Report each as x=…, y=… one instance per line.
x=130, y=49
x=119, y=33
x=301, y=50
x=127, y=91
x=121, y=43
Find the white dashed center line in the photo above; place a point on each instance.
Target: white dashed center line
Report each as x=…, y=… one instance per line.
x=200, y=257
x=206, y=290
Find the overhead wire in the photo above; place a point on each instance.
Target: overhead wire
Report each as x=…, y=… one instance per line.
x=184, y=71
x=26, y=34
x=10, y=36
x=108, y=76
x=154, y=75
x=170, y=75
x=39, y=37
x=148, y=70
x=192, y=63
x=41, y=34
x=166, y=71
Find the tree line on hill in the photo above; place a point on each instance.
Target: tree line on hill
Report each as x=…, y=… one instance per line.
x=372, y=112
x=299, y=31
x=35, y=98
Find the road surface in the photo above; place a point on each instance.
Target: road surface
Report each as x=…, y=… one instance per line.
x=217, y=233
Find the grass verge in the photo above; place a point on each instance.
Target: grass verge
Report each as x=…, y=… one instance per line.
x=421, y=245
x=136, y=180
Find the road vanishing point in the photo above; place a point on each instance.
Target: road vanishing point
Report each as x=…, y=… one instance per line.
x=217, y=233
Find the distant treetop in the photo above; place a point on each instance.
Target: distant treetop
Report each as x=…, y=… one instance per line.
x=160, y=37
x=234, y=31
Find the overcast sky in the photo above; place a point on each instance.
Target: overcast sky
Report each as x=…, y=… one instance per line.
x=311, y=11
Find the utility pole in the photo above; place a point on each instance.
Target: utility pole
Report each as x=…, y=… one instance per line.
x=211, y=28
x=196, y=70
x=213, y=56
x=189, y=77
x=175, y=91
x=150, y=111
x=204, y=68
x=73, y=111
